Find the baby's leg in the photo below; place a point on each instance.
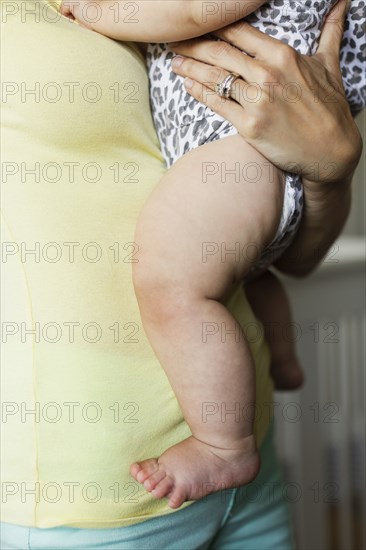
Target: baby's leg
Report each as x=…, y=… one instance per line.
x=192, y=235
x=268, y=299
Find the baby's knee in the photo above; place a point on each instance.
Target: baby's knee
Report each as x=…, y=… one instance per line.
x=148, y=277
x=160, y=296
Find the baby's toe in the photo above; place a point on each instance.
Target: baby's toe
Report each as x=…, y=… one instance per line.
x=177, y=498
x=163, y=488
x=134, y=469
x=148, y=467
x=151, y=482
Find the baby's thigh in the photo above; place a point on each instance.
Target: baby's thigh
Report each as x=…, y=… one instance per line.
x=216, y=200
x=241, y=190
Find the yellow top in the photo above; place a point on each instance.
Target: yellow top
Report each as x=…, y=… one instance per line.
x=80, y=157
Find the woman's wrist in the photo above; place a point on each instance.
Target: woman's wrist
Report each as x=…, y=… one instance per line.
x=347, y=154
x=327, y=203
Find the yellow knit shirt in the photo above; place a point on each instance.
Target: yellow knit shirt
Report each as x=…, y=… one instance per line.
x=83, y=393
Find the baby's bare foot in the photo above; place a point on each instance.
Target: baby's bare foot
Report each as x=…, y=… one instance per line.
x=287, y=373
x=192, y=469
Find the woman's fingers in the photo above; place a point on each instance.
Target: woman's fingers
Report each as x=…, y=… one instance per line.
x=207, y=76
x=219, y=54
x=332, y=35
x=227, y=108
x=248, y=39
x=195, y=70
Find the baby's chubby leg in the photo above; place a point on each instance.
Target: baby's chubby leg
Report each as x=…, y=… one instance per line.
x=270, y=304
x=221, y=196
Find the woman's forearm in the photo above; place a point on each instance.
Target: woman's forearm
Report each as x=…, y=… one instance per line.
x=326, y=208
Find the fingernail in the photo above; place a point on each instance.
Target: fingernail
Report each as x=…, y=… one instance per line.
x=177, y=61
x=188, y=83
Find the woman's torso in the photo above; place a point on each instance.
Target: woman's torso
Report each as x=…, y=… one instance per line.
x=80, y=158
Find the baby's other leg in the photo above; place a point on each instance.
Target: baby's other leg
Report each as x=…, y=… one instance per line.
x=199, y=208
x=269, y=301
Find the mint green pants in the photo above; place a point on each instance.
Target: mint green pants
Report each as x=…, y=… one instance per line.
x=254, y=517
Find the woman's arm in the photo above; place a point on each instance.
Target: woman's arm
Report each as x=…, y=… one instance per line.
x=315, y=136
x=157, y=20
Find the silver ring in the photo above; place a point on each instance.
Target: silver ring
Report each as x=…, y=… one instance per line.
x=224, y=88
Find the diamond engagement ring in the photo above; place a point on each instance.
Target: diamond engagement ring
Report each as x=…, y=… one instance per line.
x=224, y=88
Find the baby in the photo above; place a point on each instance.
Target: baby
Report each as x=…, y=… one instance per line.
x=221, y=214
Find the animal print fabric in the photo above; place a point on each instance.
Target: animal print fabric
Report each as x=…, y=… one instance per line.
x=183, y=124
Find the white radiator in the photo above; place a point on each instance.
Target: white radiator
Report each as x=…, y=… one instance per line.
x=321, y=429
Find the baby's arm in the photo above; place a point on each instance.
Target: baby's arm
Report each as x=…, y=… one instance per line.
x=157, y=20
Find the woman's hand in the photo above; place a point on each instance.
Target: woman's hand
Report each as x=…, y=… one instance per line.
x=290, y=107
